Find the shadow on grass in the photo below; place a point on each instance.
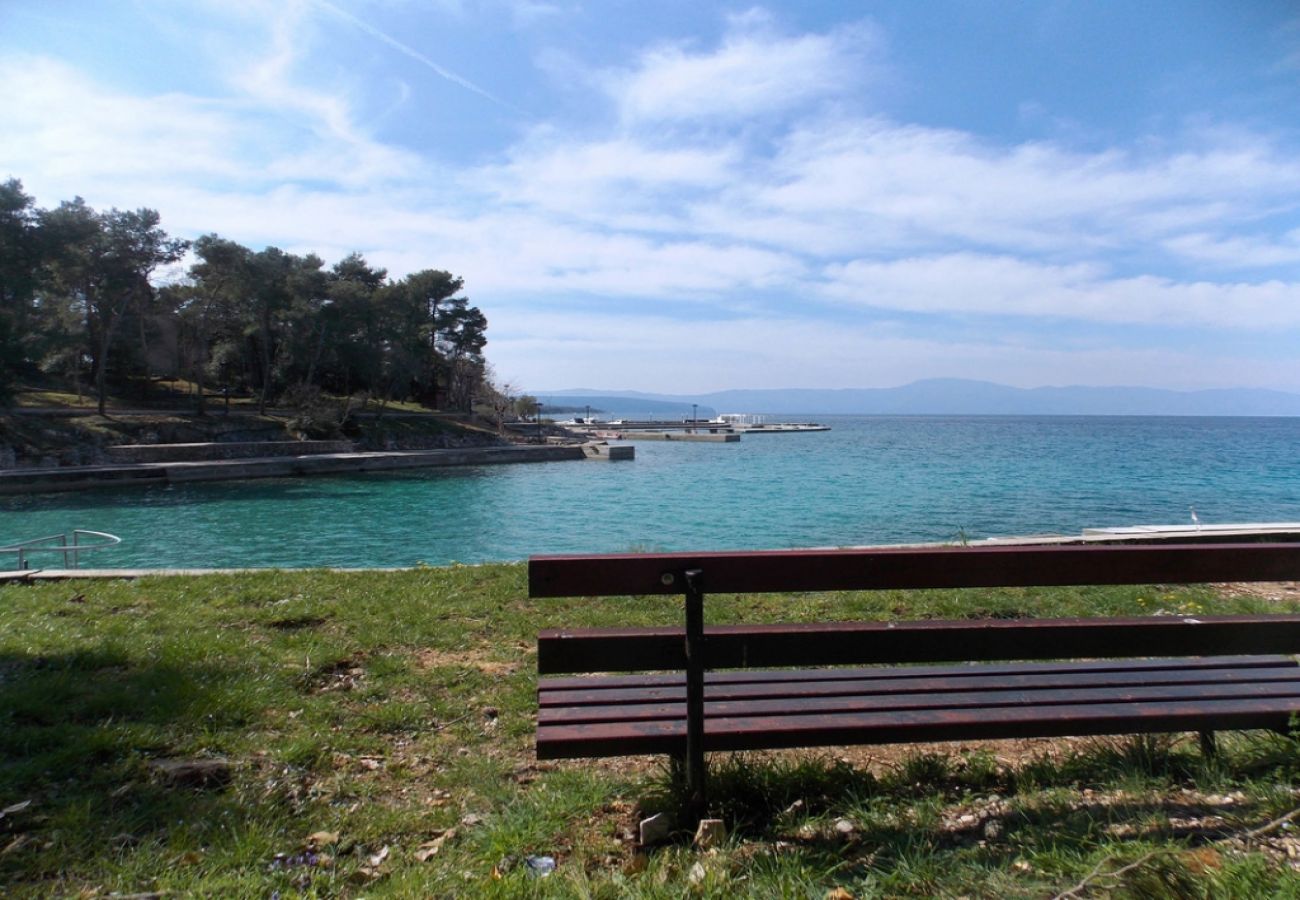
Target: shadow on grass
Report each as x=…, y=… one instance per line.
x=77, y=732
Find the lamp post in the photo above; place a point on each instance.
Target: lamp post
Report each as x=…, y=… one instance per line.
x=537, y=414
x=694, y=417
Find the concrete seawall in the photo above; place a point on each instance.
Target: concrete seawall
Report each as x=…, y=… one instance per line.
x=75, y=478
x=207, y=452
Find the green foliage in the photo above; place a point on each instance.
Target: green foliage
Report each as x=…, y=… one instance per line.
x=78, y=303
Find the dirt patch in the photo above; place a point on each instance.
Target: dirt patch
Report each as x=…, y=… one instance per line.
x=1275, y=591
x=878, y=759
x=882, y=758
x=470, y=658
x=341, y=675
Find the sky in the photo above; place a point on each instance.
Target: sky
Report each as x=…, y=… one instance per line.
x=682, y=197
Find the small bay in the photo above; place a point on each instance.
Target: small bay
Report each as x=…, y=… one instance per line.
x=870, y=480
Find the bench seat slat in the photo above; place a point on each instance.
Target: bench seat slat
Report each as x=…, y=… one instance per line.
x=774, y=732
x=814, y=686
x=1042, y=696
x=743, y=676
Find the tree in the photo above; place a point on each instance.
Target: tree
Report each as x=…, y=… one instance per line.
x=354, y=336
x=20, y=271
x=441, y=334
x=210, y=306
x=102, y=264
x=286, y=291
x=499, y=396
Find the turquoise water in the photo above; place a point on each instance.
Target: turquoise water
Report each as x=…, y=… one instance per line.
x=870, y=480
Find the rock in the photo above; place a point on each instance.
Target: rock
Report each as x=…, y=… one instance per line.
x=710, y=833
x=192, y=773
x=992, y=829
x=655, y=830
x=844, y=828
x=697, y=874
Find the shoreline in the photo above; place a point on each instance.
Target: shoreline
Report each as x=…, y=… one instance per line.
x=1276, y=532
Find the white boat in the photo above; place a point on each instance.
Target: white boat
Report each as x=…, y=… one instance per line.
x=752, y=424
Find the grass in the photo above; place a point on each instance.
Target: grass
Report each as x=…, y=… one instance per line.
x=178, y=393
x=379, y=730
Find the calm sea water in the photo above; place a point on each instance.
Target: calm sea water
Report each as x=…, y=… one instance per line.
x=870, y=480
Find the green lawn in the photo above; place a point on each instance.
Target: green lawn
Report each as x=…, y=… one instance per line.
x=379, y=730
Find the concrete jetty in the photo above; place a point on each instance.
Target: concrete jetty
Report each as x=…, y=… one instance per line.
x=75, y=478
x=609, y=452
x=727, y=437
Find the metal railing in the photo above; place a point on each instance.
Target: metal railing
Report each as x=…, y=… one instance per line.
x=58, y=543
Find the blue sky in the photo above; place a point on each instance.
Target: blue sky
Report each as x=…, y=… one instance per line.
x=690, y=196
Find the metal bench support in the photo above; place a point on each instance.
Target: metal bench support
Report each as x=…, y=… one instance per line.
x=696, y=802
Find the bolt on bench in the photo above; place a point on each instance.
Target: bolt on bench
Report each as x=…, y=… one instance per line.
x=735, y=687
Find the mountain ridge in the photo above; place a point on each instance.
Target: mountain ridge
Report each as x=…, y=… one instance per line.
x=945, y=396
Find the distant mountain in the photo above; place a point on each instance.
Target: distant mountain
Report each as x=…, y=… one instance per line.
x=949, y=396
x=618, y=406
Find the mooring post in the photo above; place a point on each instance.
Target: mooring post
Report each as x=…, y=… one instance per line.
x=695, y=796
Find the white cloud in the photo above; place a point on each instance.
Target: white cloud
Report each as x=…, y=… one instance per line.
x=617, y=184
x=923, y=184
x=968, y=283
x=754, y=72
x=1248, y=252
x=67, y=135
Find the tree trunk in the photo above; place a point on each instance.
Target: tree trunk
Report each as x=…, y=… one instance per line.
x=101, y=366
x=201, y=356
x=265, y=349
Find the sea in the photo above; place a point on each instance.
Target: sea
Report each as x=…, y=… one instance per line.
x=870, y=480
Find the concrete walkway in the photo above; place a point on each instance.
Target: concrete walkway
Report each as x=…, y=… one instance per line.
x=73, y=478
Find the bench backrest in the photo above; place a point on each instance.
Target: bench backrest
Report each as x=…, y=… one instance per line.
x=730, y=646
x=782, y=571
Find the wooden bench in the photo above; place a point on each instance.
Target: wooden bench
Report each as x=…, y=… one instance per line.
x=746, y=687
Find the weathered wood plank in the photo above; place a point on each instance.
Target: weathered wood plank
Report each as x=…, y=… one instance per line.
x=846, y=643
x=775, y=732
x=938, y=685
x=745, y=676
x=910, y=568
x=1035, y=696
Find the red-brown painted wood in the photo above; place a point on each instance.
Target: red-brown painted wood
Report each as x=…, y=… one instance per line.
x=910, y=568
x=812, y=688
x=775, y=732
x=1032, y=696
x=594, y=683
x=846, y=643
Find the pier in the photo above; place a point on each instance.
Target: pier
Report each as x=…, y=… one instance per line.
x=710, y=437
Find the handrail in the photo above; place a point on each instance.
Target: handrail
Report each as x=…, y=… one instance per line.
x=75, y=549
